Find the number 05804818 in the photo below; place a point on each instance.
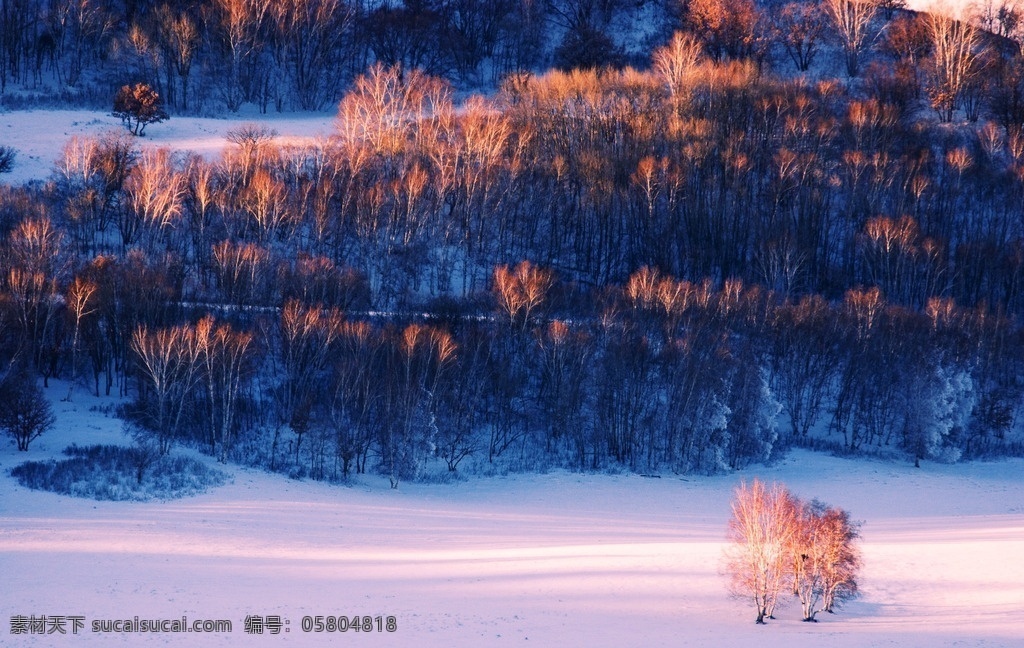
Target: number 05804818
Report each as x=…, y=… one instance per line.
x=364, y=623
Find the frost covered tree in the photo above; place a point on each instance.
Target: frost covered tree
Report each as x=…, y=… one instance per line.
x=25, y=413
x=754, y=409
x=803, y=361
x=940, y=403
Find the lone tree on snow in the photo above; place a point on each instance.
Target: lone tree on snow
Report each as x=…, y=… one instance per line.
x=24, y=411
x=138, y=106
x=780, y=544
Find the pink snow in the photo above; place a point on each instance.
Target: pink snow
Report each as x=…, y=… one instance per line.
x=559, y=559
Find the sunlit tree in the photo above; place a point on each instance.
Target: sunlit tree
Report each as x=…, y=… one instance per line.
x=954, y=61
x=762, y=529
x=139, y=106
x=851, y=21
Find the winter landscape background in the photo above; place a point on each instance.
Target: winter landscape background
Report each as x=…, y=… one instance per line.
x=476, y=315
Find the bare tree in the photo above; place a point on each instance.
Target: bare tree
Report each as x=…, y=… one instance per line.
x=953, y=63
x=304, y=342
x=386, y=106
x=80, y=304
x=826, y=559
x=841, y=557
x=263, y=200
x=888, y=247
x=241, y=23
x=729, y=30
x=225, y=355
x=804, y=361
x=357, y=397
x=1001, y=17
x=521, y=291
x=562, y=393
x=851, y=20
x=91, y=174
x=799, y=26
x=310, y=34
x=779, y=542
x=179, y=35
x=416, y=371
x=242, y=272
x=169, y=361
x=677, y=61
x=78, y=26
x=761, y=530
x=35, y=264
x=154, y=192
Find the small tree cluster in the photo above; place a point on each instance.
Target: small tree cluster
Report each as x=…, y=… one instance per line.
x=780, y=544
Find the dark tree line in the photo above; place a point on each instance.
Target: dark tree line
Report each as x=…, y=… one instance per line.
x=286, y=54
x=721, y=263
x=210, y=55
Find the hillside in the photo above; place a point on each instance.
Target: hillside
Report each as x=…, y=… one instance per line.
x=468, y=318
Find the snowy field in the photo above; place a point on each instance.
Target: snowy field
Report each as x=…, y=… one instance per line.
x=40, y=135
x=552, y=560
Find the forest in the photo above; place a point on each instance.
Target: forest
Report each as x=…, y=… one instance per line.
x=791, y=225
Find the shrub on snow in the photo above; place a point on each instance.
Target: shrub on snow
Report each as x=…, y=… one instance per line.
x=105, y=472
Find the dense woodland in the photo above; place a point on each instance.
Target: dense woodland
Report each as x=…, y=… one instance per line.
x=208, y=55
x=685, y=268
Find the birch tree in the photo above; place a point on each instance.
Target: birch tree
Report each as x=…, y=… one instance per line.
x=761, y=531
x=225, y=356
x=851, y=20
x=953, y=62
x=168, y=360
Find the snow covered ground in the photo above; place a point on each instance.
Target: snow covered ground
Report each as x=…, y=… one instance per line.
x=551, y=560
x=40, y=135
